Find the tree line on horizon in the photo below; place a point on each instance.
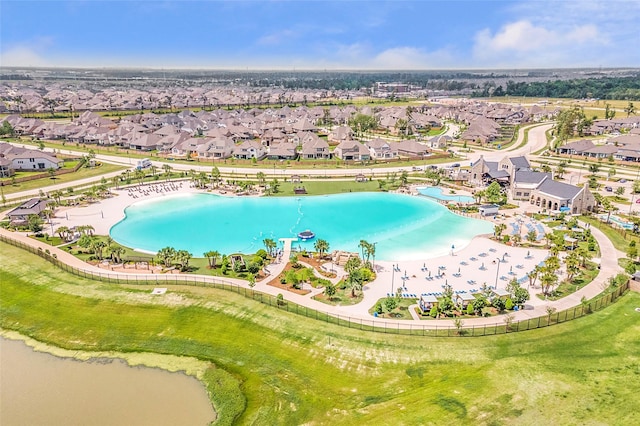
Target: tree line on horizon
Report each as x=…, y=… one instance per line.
x=624, y=88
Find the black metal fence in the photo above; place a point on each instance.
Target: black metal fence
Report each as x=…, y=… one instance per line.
x=429, y=328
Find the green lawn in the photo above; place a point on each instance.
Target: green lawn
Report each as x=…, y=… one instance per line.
x=273, y=367
x=620, y=239
x=44, y=182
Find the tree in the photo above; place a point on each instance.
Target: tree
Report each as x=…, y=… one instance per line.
x=560, y=169
x=116, y=253
x=533, y=275
x=585, y=256
x=494, y=193
x=167, y=171
x=261, y=178
x=404, y=178
x=270, y=245
x=321, y=246
x=390, y=303
x=7, y=129
x=498, y=229
x=572, y=264
x=34, y=223
x=329, y=290
x=252, y=280
x=182, y=258
x=620, y=191
x=632, y=251
x=609, y=113
x=63, y=233
x=630, y=109
x=531, y=236
x=211, y=256
x=166, y=255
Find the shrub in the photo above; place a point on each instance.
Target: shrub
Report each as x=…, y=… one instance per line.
x=433, y=312
x=378, y=308
x=508, y=304
x=498, y=303
x=470, y=310
x=262, y=253
x=280, y=299
x=253, y=268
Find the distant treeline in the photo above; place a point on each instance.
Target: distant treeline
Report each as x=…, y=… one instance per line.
x=625, y=88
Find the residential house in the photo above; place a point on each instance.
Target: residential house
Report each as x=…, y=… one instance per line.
x=29, y=159
x=381, y=149
x=215, y=148
x=340, y=134
x=249, y=149
x=283, y=151
x=411, y=148
x=315, y=148
x=352, y=150
x=145, y=142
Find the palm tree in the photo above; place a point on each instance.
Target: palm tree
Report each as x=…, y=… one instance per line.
x=212, y=256
x=116, y=253
x=167, y=171
x=572, y=262
x=166, y=255
x=270, y=245
x=63, y=232
x=182, y=257
x=140, y=175
x=321, y=246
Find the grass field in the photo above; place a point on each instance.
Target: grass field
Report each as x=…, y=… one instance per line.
x=44, y=182
x=272, y=367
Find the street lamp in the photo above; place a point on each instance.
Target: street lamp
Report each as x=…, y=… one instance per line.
x=393, y=274
x=497, y=273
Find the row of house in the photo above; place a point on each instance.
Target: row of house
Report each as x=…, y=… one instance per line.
x=622, y=148
x=14, y=158
x=522, y=183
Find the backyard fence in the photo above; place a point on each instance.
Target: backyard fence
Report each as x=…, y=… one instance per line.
x=430, y=327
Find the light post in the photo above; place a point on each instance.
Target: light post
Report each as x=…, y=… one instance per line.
x=497, y=273
x=393, y=274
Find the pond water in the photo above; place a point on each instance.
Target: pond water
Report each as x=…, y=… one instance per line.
x=41, y=389
x=403, y=227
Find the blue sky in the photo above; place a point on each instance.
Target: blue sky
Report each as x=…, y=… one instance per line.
x=270, y=34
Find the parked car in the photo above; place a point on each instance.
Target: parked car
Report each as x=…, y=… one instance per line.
x=416, y=169
x=638, y=201
x=454, y=165
x=622, y=181
x=608, y=189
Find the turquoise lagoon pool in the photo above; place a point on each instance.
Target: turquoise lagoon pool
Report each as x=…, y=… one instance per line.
x=403, y=227
x=437, y=193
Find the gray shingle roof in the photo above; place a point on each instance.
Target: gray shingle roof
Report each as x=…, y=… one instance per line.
x=530, y=177
x=559, y=189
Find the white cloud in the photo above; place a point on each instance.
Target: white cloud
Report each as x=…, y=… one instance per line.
x=524, y=44
x=23, y=56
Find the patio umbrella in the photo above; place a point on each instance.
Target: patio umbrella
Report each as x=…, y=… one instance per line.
x=528, y=254
x=482, y=267
x=429, y=273
x=458, y=269
x=511, y=268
